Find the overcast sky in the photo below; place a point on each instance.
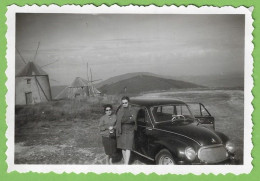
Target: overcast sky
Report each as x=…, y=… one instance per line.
x=173, y=45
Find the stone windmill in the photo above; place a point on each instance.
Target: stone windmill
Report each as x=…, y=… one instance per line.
x=32, y=83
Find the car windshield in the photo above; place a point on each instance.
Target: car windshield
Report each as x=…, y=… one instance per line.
x=173, y=113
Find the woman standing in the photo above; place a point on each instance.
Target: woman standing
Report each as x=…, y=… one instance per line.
x=106, y=126
x=125, y=127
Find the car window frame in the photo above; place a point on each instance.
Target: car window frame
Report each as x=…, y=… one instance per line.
x=147, y=111
x=193, y=117
x=201, y=105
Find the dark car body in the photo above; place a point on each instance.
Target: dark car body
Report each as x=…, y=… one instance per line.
x=177, y=136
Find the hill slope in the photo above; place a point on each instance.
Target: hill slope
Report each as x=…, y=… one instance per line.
x=213, y=81
x=145, y=83
x=123, y=77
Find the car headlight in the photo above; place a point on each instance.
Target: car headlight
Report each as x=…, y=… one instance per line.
x=190, y=153
x=230, y=147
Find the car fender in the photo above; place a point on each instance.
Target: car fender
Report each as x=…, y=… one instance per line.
x=223, y=137
x=176, y=147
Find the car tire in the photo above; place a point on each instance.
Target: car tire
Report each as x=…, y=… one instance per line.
x=164, y=157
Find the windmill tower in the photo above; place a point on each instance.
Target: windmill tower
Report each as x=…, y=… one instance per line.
x=92, y=89
x=32, y=83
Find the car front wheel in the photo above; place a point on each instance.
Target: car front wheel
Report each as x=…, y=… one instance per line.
x=164, y=157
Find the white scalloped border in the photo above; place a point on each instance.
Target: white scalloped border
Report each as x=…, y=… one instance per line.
x=135, y=169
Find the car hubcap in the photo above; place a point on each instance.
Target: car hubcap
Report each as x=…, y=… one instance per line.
x=166, y=161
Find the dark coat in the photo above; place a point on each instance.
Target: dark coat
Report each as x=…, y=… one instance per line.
x=132, y=119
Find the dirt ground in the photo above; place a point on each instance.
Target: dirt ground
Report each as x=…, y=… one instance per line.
x=66, y=132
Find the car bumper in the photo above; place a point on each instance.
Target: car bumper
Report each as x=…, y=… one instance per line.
x=229, y=161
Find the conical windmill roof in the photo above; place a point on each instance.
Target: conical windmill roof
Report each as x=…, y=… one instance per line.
x=79, y=82
x=31, y=69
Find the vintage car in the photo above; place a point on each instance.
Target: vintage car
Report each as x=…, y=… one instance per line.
x=169, y=133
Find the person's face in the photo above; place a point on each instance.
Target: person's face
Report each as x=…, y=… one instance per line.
x=125, y=103
x=108, y=111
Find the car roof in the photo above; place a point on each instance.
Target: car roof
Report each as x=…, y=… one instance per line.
x=151, y=101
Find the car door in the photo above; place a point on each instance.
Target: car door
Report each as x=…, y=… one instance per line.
x=144, y=129
x=202, y=115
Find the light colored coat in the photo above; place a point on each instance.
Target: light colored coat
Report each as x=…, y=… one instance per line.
x=105, y=122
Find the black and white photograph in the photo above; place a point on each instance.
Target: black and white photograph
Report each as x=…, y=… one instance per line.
x=129, y=89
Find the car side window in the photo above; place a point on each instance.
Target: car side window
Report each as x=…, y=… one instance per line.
x=143, y=118
x=195, y=109
x=167, y=109
x=171, y=112
x=198, y=110
x=163, y=113
x=147, y=119
x=182, y=110
x=203, y=111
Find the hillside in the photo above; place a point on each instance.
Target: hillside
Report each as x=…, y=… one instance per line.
x=212, y=81
x=123, y=77
x=216, y=81
x=145, y=83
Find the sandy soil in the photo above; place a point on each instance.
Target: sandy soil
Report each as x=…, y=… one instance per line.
x=67, y=133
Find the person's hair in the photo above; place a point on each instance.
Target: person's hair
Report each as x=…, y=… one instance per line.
x=125, y=98
x=107, y=105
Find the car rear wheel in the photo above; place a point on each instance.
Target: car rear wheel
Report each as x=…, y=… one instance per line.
x=164, y=157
